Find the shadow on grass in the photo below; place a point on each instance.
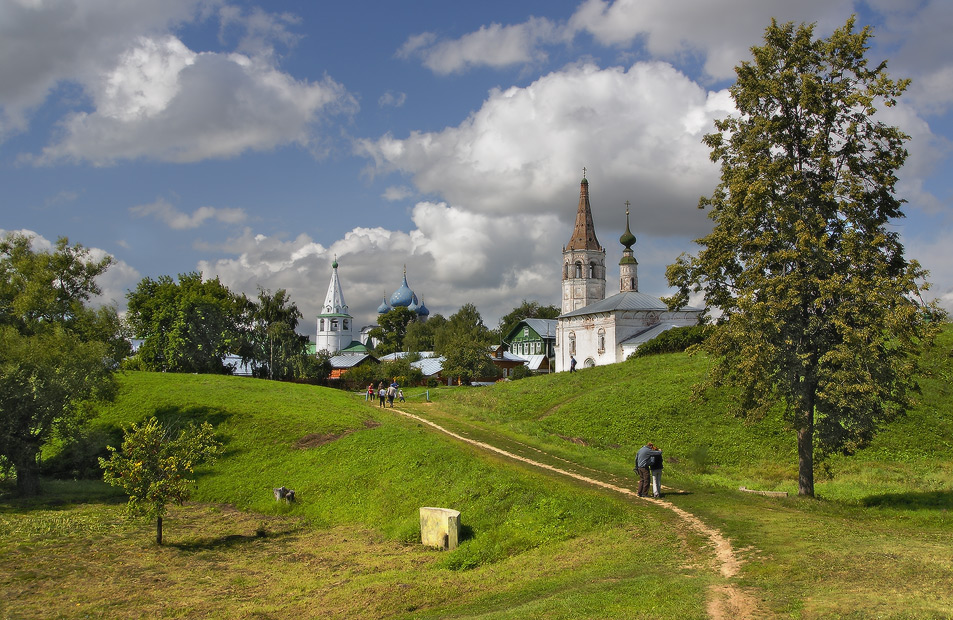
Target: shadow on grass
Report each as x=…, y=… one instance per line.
x=928, y=500
x=228, y=541
x=61, y=494
x=175, y=418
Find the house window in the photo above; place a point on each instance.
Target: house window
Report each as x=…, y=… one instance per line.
x=526, y=332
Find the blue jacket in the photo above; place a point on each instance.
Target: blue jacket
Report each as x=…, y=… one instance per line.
x=642, y=457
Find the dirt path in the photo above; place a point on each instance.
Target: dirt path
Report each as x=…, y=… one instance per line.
x=725, y=600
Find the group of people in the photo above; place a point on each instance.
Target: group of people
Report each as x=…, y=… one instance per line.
x=386, y=395
x=648, y=463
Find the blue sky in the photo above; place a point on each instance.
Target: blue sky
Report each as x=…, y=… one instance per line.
x=257, y=141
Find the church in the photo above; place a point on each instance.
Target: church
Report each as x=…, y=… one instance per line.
x=596, y=330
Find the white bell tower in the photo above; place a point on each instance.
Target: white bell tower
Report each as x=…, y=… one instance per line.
x=335, y=325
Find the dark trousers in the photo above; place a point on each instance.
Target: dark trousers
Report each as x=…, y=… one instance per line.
x=645, y=482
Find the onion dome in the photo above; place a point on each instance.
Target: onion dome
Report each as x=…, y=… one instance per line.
x=413, y=304
x=627, y=239
x=403, y=296
x=383, y=308
x=422, y=309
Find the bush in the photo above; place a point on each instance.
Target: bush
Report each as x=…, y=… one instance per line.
x=674, y=340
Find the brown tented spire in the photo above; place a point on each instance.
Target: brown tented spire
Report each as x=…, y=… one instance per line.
x=584, y=232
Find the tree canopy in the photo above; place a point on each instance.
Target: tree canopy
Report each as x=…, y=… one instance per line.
x=820, y=308
x=56, y=354
x=187, y=326
x=272, y=345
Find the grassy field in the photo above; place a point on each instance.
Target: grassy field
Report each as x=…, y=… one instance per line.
x=878, y=541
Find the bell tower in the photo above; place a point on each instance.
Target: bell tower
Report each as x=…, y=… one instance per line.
x=335, y=329
x=584, y=260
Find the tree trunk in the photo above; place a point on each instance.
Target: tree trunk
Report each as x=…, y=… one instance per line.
x=159, y=531
x=28, y=476
x=805, y=449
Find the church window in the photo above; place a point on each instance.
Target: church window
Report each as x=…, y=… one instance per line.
x=602, y=340
x=321, y=325
x=592, y=270
x=572, y=343
x=345, y=324
x=578, y=270
x=334, y=325
x=565, y=270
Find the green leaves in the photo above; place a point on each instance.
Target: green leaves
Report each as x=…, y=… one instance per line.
x=820, y=308
x=154, y=465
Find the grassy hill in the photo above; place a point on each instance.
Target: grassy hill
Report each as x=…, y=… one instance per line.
x=877, y=542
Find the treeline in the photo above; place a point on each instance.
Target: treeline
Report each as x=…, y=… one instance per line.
x=194, y=324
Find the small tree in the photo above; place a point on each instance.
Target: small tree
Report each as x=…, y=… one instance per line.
x=153, y=466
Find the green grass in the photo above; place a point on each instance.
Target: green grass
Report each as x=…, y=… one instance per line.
x=877, y=542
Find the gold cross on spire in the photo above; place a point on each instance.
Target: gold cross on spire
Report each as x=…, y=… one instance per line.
x=626, y=207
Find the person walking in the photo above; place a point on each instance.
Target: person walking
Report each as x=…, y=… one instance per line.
x=400, y=395
x=391, y=393
x=370, y=392
x=572, y=364
x=655, y=467
x=382, y=394
x=642, y=467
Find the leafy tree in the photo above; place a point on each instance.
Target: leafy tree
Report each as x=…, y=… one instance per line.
x=420, y=334
x=392, y=327
x=188, y=326
x=154, y=464
x=274, y=347
x=56, y=354
x=526, y=310
x=820, y=307
x=466, y=325
x=45, y=382
x=467, y=359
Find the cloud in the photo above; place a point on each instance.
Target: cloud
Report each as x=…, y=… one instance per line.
x=146, y=95
x=43, y=44
x=396, y=193
x=638, y=131
x=162, y=101
x=492, y=46
x=721, y=33
x=164, y=212
x=460, y=256
x=391, y=99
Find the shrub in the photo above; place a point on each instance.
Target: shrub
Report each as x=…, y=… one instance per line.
x=674, y=340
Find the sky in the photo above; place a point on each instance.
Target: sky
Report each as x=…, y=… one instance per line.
x=257, y=141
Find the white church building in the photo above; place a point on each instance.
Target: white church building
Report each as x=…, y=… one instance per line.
x=596, y=330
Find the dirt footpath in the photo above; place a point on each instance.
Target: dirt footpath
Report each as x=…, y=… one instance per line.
x=725, y=600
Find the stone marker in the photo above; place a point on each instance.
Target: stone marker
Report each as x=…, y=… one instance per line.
x=440, y=527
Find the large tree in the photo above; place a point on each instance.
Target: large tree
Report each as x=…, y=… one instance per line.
x=273, y=345
x=820, y=308
x=56, y=354
x=187, y=326
x=465, y=325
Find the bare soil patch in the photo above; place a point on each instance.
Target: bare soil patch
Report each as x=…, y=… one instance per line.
x=314, y=440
